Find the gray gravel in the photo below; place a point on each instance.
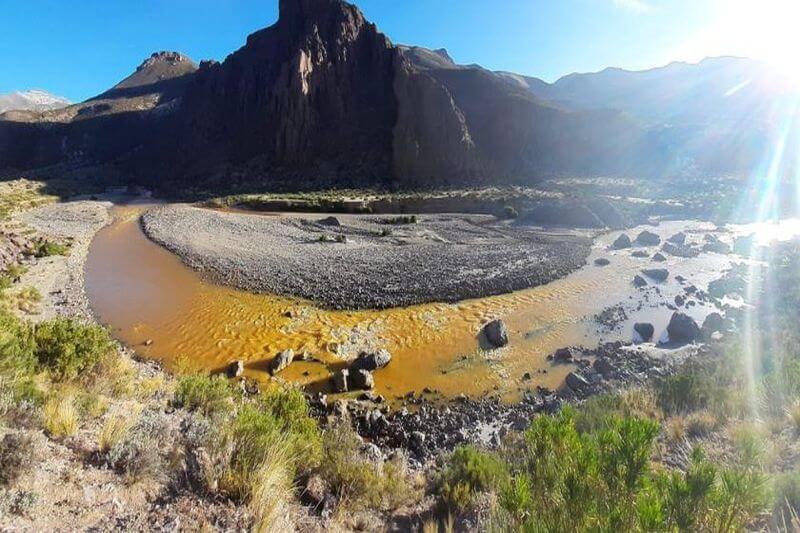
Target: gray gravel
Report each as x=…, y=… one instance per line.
x=440, y=258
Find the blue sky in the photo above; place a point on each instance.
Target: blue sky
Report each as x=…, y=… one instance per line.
x=80, y=48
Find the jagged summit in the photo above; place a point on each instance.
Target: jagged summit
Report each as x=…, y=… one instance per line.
x=158, y=67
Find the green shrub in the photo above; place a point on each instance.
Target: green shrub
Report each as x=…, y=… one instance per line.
x=786, y=495
x=68, y=349
x=510, y=212
x=684, y=392
x=470, y=471
x=47, y=248
x=209, y=395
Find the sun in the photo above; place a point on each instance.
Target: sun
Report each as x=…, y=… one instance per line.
x=762, y=29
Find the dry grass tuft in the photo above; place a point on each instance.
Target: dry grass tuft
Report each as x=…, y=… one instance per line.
x=115, y=429
x=60, y=417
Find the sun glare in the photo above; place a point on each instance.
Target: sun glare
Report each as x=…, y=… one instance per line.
x=764, y=29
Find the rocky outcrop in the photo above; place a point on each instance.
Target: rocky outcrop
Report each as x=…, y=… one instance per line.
x=682, y=329
x=496, y=333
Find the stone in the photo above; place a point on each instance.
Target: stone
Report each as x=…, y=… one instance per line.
x=717, y=247
x=659, y=257
x=316, y=490
x=281, y=361
x=645, y=330
x=372, y=360
x=330, y=221
x=361, y=379
x=340, y=380
x=648, y=238
x=679, y=250
x=623, y=241
x=640, y=254
x=604, y=367
x=713, y=323
x=657, y=274
x=601, y=262
x=496, y=333
x=577, y=382
x=235, y=369
x=563, y=355
x=639, y=281
x=678, y=238
x=682, y=328
x=679, y=300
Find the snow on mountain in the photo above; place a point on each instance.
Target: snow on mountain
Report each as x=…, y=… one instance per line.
x=33, y=100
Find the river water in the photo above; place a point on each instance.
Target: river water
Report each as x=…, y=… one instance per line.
x=144, y=293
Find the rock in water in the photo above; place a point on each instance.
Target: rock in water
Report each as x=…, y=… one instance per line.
x=659, y=257
x=678, y=238
x=361, y=379
x=623, y=241
x=577, y=383
x=563, y=355
x=281, y=361
x=602, y=261
x=639, y=281
x=648, y=238
x=235, y=369
x=679, y=250
x=372, y=360
x=658, y=274
x=340, y=380
x=713, y=323
x=645, y=330
x=330, y=221
x=496, y=333
x=682, y=328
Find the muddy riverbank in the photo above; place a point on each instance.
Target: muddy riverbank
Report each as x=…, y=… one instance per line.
x=366, y=261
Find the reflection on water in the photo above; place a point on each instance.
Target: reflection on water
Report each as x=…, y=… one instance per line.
x=145, y=293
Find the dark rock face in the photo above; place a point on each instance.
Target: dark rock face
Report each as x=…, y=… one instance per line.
x=496, y=333
x=645, y=330
x=713, y=323
x=682, y=329
x=639, y=281
x=361, y=379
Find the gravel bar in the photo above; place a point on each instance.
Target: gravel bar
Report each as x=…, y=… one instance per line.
x=384, y=261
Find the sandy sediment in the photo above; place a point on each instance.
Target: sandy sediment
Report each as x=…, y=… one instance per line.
x=382, y=264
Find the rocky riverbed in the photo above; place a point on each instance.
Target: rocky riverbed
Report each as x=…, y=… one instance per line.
x=366, y=261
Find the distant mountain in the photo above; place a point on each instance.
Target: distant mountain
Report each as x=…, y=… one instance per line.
x=34, y=100
x=323, y=99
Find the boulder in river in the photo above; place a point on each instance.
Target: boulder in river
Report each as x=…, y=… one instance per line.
x=372, y=360
x=713, y=323
x=678, y=238
x=682, y=328
x=658, y=274
x=330, y=221
x=563, y=355
x=361, y=379
x=601, y=262
x=640, y=254
x=496, y=333
x=645, y=330
x=648, y=238
x=679, y=250
x=340, y=379
x=281, y=361
x=659, y=257
x=623, y=241
x=235, y=369
x=639, y=281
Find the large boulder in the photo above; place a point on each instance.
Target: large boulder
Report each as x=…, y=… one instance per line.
x=713, y=323
x=678, y=238
x=645, y=330
x=623, y=241
x=330, y=221
x=658, y=274
x=563, y=355
x=659, y=257
x=496, y=333
x=372, y=360
x=639, y=281
x=578, y=383
x=601, y=262
x=682, y=328
x=648, y=238
x=361, y=379
x=235, y=369
x=281, y=361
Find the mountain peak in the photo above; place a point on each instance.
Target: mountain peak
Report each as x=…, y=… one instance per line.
x=160, y=66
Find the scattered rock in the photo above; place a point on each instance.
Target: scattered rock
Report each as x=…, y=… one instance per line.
x=640, y=254
x=682, y=328
x=645, y=330
x=281, y=361
x=577, y=383
x=372, y=360
x=601, y=262
x=713, y=323
x=563, y=355
x=648, y=238
x=716, y=246
x=679, y=250
x=659, y=257
x=605, y=367
x=639, y=281
x=496, y=333
x=235, y=369
x=623, y=241
x=679, y=300
x=658, y=274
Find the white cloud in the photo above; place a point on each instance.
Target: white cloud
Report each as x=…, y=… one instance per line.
x=634, y=6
